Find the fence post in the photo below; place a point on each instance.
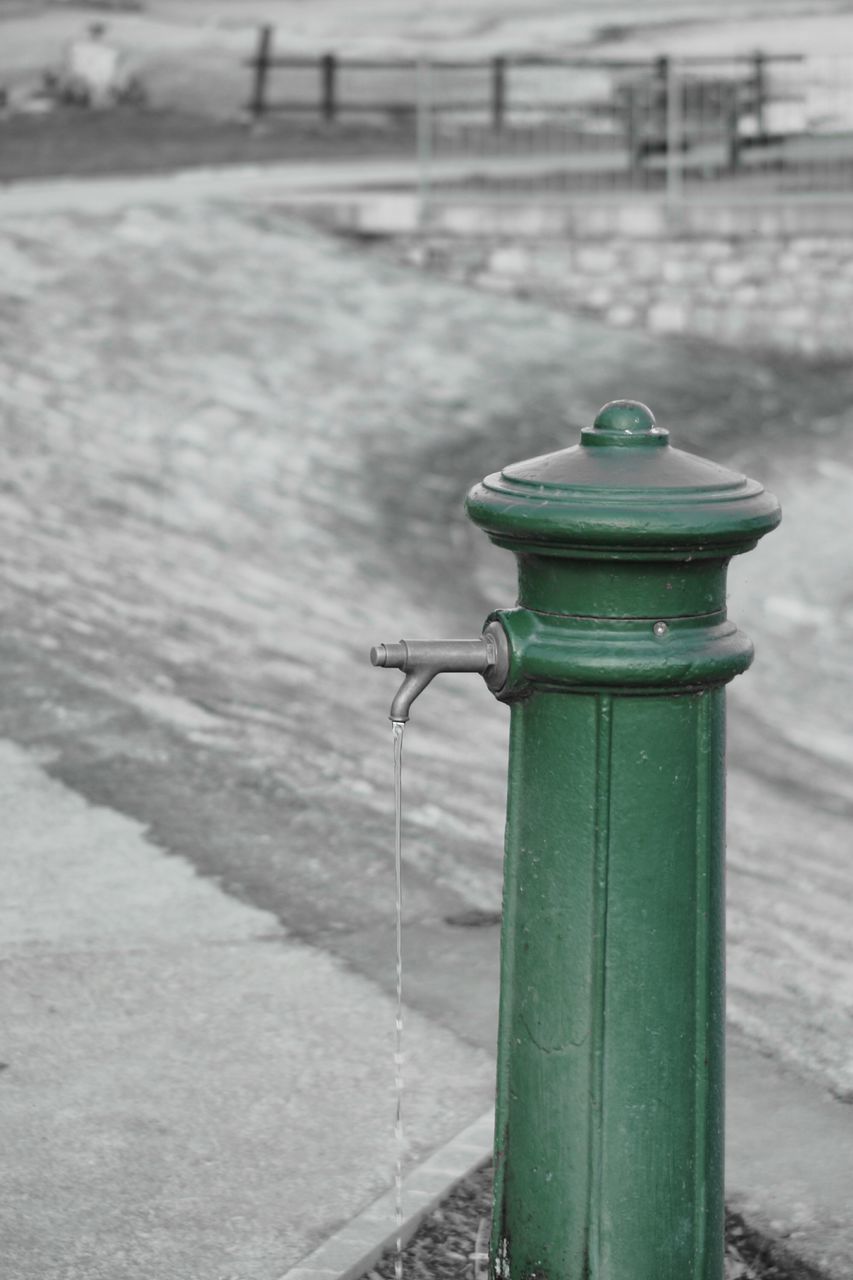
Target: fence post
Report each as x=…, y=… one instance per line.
x=328, y=79
x=732, y=123
x=660, y=91
x=609, y=1116
x=498, y=92
x=672, y=106
x=633, y=132
x=424, y=139
x=759, y=89
x=261, y=65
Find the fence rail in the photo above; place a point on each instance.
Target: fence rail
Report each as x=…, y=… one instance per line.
x=769, y=121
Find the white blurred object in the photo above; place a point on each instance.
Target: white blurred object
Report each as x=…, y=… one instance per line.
x=93, y=70
x=780, y=118
x=829, y=100
x=812, y=96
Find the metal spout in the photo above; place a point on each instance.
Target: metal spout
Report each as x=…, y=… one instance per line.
x=422, y=660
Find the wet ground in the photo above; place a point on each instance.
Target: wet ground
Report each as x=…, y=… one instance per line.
x=234, y=458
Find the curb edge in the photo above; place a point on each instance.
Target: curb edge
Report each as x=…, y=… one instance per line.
x=348, y=1253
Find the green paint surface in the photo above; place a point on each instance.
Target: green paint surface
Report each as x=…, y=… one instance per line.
x=608, y=1142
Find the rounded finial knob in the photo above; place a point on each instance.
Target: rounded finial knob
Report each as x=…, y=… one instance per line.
x=627, y=417
x=624, y=422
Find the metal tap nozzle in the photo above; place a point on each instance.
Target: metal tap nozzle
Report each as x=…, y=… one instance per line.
x=422, y=660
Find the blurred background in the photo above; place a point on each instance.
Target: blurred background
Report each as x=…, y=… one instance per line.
x=761, y=94
x=278, y=283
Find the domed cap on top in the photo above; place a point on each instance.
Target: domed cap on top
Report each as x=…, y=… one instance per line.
x=623, y=490
x=624, y=422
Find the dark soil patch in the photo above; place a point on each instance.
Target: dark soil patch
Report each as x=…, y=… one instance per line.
x=453, y=1241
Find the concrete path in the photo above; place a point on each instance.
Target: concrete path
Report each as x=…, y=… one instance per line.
x=187, y=1092
x=280, y=182
x=186, y=187
x=789, y=1163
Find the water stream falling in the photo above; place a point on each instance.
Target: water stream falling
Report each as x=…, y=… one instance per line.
x=397, y=728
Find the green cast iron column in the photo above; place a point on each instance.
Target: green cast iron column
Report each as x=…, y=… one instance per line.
x=608, y=1141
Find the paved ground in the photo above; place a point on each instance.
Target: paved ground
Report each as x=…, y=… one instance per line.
x=187, y=1091
x=233, y=459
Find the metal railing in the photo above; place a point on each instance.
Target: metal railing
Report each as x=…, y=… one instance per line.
x=506, y=125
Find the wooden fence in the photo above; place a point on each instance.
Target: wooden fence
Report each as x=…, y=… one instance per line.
x=328, y=103
x=514, y=122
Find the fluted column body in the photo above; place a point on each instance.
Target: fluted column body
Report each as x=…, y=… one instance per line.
x=609, y=1123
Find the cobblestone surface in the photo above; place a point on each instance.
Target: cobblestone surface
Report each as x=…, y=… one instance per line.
x=234, y=453
x=776, y=292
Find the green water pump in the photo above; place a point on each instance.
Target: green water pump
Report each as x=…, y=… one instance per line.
x=609, y=1114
